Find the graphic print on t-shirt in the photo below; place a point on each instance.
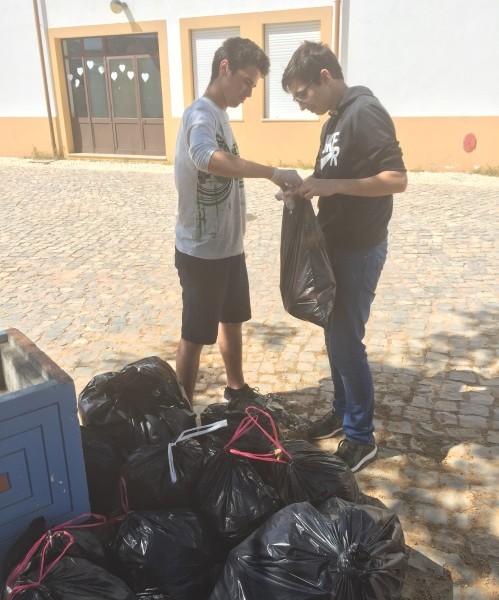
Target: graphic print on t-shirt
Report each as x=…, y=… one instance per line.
x=331, y=150
x=213, y=191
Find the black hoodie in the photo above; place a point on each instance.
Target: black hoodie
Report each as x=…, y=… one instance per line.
x=357, y=141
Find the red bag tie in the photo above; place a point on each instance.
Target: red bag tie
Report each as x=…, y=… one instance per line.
x=124, y=503
x=42, y=573
x=249, y=422
x=72, y=523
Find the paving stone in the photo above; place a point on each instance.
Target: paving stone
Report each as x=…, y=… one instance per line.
x=422, y=402
x=450, y=500
x=493, y=437
x=435, y=516
x=419, y=476
x=474, y=409
x=478, y=398
x=421, y=495
x=428, y=431
x=419, y=561
x=472, y=421
x=474, y=593
x=444, y=405
x=462, y=521
x=400, y=427
x=479, y=451
x=494, y=573
x=386, y=489
x=445, y=418
x=483, y=543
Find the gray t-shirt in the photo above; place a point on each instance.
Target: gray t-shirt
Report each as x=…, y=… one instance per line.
x=211, y=218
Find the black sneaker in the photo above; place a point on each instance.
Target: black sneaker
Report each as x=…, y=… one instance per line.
x=325, y=427
x=244, y=393
x=355, y=454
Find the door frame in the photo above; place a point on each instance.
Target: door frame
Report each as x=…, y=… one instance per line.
x=63, y=122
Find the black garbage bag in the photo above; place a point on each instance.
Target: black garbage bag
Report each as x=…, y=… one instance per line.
x=22, y=545
x=143, y=404
x=306, y=281
x=88, y=535
x=234, y=412
x=50, y=572
x=90, y=543
x=149, y=481
x=285, y=418
x=377, y=532
x=168, y=555
x=311, y=475
x=300, y=553
x=233, y=497
x=73, y=579
x=335, y=505
x=103, y=462
x=164, y=476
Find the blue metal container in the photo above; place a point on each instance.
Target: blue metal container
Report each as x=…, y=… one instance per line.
x=42, y=472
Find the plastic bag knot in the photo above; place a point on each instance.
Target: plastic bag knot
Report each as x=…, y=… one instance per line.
x=352, y=561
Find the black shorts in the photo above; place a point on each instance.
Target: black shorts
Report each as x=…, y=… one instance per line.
x=213, y=292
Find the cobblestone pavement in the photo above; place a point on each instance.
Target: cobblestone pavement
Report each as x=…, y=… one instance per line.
x=86, y=271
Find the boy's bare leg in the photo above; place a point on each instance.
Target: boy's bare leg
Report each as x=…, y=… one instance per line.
x=230, y=342
x=187, y=366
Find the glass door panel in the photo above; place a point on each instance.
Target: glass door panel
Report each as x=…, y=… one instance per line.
x=96, y=81
x=122, y=76
x=151, y=101
x=76, y=84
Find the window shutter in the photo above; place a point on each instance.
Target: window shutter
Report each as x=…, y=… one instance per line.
x=204, y=44
x=281, y=40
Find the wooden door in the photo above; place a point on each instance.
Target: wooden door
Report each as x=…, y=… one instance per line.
x=116, y=100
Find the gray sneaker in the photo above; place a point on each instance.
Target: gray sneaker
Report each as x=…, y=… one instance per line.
x=244, y=393
x=325, y=427
x=355, y=454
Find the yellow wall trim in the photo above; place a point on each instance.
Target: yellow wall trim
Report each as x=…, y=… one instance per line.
x=428, y=143
x=436, y=143
x=25, y=136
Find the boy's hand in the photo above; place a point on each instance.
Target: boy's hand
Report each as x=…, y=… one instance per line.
x=286, y=178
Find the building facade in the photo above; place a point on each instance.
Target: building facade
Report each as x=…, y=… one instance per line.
x=81, y=80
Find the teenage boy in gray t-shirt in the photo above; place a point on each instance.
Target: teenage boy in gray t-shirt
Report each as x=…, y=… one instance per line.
x=211, y=220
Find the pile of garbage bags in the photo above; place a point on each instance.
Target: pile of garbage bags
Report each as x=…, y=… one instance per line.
x=234, y=509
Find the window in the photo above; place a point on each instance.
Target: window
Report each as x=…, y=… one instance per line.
x=204, y=44
x=281, y=40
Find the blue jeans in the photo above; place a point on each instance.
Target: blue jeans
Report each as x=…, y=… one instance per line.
x=357, y=273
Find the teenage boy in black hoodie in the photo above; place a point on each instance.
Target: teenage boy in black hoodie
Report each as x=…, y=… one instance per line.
x=358, y=169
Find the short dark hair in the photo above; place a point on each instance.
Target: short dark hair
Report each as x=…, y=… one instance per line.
x=240, y=52
x=307, y=62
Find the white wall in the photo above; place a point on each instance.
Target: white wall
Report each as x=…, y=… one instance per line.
x=92, y=12
x=425, y=57
x=420, y=57
x=22, y=92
